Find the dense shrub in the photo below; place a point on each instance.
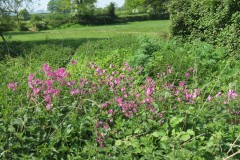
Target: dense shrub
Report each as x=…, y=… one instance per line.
x=214, y=21
x=155, y=54
x=132, y=18
x=23, y=26
x=55, y=20
x=37, y=23
x=7, y=23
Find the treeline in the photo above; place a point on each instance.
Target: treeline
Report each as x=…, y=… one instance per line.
x=64, y=13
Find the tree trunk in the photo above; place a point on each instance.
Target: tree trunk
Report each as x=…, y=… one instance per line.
x=4, y=41
x=18, y=20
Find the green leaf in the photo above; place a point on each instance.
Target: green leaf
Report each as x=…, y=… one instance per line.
x=185, y=137
x=159, y=134
x=190, y=132
x=138, y=130
x=155, y=105
x=118, y=142
x=69, y=129
x=176, y=120
x=18, y=122
x=11, y=129
x=164, y=138
x=156, y=134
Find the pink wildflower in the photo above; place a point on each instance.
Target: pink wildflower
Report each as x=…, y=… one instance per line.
x=182, y=83
x=30, y=77
x=187, y=75
x=218, y=94
x=74, y=91
x=48, y=106
x=137, y=96
x=171, y=87
x=98, y=70
x=170, y=69
x=61, y=74
x=232, y=94
x=209, y=98
x=123, y=89
x=179, y=99
x=74, y=62
x=148, y=92
x=12, y=86
x=104, y=105
x=36, y=91
x=111, y=66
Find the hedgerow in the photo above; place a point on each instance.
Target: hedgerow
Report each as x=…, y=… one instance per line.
x=214, y=21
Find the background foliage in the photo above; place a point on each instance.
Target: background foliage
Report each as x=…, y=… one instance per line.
x=214, y=21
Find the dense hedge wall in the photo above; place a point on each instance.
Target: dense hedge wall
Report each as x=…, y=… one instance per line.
x=214, y=21
x=141, y=17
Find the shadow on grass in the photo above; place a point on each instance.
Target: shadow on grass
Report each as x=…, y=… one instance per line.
x=20, y=48
x=22, y=33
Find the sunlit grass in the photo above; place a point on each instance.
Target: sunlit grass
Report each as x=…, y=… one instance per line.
x=146, y=27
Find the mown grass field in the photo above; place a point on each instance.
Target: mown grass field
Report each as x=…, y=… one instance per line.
x=147, y=27
x=117, y=92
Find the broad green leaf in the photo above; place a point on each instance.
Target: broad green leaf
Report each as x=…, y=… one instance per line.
x=158, y=134
x=164, y=138
x=138, y=130
x=176, y=120
x=190, y=132
x=118, y=142
x=185, y=137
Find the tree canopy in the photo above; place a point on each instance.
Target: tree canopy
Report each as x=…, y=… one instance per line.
x=54, y=6
x=155, y=6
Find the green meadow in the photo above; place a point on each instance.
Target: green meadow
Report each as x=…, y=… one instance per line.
x=77, y=31
x=123, y=91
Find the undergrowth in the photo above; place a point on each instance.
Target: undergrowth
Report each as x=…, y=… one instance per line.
x=122, y=98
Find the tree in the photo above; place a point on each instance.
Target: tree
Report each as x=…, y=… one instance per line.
x=54, y=6
x=24, y=15
x=79, y=6
x=8, y=7
x=155, y=6
x=84, y=9
x=111, y=11
x=133, y=4
x=14, y=6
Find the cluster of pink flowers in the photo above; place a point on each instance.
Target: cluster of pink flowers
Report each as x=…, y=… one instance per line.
x=45, y=88
x=121, y=94
x=13, y=86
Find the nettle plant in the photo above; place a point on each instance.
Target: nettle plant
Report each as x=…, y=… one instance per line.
x=131, y=112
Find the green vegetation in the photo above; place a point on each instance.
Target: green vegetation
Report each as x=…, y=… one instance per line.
x=76, y=31
x=126, y=91
x=214, y=21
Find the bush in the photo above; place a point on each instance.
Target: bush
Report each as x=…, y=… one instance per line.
x=55, y=20
x=7, y=23
x=214, y=21
x=37, y=23
x=135, y=17
x=23, y=26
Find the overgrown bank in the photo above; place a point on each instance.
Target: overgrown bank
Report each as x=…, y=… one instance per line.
x=124, y=97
